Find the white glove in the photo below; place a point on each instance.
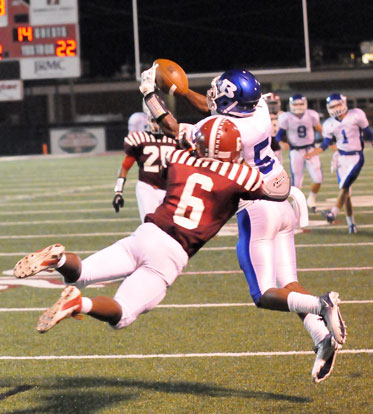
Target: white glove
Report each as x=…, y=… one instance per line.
x=334, y=162
x=148, y=80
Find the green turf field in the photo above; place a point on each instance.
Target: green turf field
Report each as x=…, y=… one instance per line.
x=217, y=353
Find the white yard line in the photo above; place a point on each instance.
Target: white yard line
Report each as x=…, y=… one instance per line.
x=93, y=220
x=76, y=211
x=190, y=306
x=167, y=356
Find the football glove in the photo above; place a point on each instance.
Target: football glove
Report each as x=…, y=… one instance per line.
x=118, y=202
x=148, y=80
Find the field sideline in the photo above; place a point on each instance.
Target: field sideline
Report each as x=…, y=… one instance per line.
x=206, y=348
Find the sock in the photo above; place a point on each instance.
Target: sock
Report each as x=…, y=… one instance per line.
x=350, y=220
x=86, y=305
x=300, y=303
x=61, y=262
x=335, y=211
x=315, y=327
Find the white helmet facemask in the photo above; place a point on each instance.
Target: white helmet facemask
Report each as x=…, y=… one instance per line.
x=336, y=107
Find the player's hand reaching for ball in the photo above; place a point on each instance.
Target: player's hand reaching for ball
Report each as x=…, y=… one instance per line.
x=148, y=80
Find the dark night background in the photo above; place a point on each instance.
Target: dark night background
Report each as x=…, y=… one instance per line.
x=215, y=35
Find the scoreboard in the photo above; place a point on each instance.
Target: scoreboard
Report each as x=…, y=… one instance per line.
x=42, y=35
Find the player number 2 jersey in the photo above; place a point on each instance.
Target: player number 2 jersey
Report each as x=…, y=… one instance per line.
x=150, y=151
x=201, y=196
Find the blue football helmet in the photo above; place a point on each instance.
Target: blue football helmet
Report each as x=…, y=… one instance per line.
x=298, y=104
x=236, y=92
x=336, y=104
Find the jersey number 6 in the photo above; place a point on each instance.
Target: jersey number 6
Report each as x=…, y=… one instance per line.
x=188, y=200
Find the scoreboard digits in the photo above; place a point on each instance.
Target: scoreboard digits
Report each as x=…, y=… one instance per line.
x=42, y=36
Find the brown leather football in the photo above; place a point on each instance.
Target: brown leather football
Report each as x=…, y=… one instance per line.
x=170, y=77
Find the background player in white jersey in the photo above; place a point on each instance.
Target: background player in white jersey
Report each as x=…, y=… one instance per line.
x=346, y=126
x=298, y=126
x=274, y=106
x=202, y=195
x=266, y=247
x=148, y=148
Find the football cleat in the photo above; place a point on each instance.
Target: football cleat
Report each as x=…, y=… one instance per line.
x=69, y=304
x=326, y=352
x=45, y=259
x=332, y=316
x=328, y=215
x=352, y=229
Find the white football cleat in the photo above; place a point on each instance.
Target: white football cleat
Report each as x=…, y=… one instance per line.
x=69, y=304
x=45, y=259
x=326, y=352
x=332, y=316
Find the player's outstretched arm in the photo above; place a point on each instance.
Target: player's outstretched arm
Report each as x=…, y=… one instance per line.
x=197, y=100
x=118, y=201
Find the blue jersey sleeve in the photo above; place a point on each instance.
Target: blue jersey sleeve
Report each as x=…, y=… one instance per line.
x=368, y=134
x=325, y=144
x=280, y=136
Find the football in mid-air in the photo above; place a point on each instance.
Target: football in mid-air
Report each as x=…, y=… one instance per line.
x=170, y=77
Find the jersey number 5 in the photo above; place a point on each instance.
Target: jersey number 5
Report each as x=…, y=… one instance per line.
x=195, y=204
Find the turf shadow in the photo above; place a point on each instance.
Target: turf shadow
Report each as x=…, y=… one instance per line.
x=83, y=395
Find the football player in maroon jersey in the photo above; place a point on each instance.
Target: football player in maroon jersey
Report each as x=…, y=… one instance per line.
x=148, y=148
x=202, y=195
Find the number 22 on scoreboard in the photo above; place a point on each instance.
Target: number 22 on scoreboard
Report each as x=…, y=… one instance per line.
x=66, y=48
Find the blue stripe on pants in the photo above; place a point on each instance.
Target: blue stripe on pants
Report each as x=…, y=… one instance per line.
x=243, y=254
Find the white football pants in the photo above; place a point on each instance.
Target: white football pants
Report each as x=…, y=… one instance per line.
x=298, y=163
x=149, y=259
x=266, y=247
x=148, y=198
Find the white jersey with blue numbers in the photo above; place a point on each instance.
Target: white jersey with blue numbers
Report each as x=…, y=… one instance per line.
x=300, y=131
x=347, y=130
x=256, y=132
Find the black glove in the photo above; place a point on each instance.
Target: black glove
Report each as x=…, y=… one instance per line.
x=118, y=202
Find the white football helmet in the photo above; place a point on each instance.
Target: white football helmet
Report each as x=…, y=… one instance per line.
x=138, y=121
x=336, y=104
x=273, y=101
x=298, y=104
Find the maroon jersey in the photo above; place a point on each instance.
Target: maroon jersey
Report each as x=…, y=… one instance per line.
x=201, y=196
x=149, y=150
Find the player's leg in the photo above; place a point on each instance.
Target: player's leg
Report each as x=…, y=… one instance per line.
x=107, y=264
x=349, y=168
x=148, y=198
x=315, y=172
x=325, y=345
x=297, y=167
x=150, y=258
x=258, y=224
